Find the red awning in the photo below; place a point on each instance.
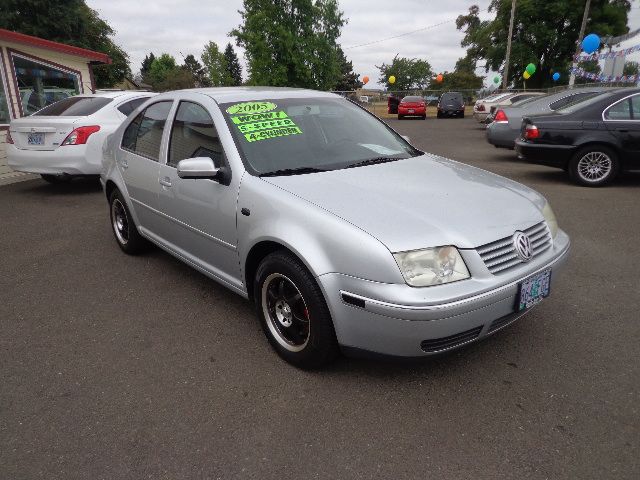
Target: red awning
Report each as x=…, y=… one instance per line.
x=16, y=37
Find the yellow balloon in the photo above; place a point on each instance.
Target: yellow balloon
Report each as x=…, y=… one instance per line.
x=392, y=79
x=526, y=75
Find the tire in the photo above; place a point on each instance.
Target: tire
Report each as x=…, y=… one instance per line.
x=293, y=313
x=400, y=117
x=462, y=116
x=56, y=179
x=124, y=229
x=594, y=166
x=439, y=115
x=424, y=117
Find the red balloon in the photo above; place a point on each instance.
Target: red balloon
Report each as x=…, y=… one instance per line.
x=365, y=80
x=439, y=78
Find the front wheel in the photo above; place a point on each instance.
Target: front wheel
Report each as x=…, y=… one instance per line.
x=124, y=229
x=293, y=313
x=593, y=166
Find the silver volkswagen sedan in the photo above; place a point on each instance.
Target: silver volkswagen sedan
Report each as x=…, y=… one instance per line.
x=345, y=236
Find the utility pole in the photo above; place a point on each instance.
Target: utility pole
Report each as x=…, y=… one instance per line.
x=572, y=78
x=505, y=76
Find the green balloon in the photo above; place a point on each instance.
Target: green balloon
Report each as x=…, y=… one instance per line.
x=531, y=68
x=496, y=79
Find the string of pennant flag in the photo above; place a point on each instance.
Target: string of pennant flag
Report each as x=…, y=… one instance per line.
x=606, y=55
x=581, y=72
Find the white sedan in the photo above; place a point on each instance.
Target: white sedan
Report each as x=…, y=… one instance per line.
x=65, y=139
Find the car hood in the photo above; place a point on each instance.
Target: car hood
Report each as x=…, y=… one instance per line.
x=424, y=201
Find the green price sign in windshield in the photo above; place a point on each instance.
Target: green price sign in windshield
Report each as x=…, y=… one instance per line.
x=251, y=107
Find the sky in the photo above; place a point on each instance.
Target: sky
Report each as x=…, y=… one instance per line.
x=185, y=26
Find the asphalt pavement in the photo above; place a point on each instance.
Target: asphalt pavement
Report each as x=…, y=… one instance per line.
x=118, y=367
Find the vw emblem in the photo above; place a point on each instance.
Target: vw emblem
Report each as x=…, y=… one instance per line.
x=522, y=244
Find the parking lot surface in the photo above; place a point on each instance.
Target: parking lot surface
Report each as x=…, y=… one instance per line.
x=140, y=367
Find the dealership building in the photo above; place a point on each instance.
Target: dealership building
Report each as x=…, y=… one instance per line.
x=34, y=73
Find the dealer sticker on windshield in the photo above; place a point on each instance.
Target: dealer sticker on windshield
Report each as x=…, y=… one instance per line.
x=260, y=121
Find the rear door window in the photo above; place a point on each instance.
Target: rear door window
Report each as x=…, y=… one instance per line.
x=74, y=107
x=144, y=135
x=619, y=111
x=635, y=107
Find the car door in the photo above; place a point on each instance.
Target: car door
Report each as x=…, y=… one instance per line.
x=138, y=161
x=199, y=215
x=623, y=121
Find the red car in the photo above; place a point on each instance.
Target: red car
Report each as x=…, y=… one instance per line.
x=412, y=107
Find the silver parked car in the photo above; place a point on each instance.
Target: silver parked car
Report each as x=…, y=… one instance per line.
x=344, y=235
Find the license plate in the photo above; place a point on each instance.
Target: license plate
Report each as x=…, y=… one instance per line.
x=35, y=139
x=534, y=289
x=411, y=110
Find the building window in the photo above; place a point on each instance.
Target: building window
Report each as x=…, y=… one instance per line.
x=41, y=84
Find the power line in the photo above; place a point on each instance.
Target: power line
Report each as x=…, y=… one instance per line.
x=429, y=27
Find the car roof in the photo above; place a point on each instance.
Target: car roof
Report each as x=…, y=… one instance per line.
x=245, y=94
x=117, y=93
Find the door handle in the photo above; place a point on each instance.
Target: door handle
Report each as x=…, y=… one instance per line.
x=165, y=182
x=623, y=130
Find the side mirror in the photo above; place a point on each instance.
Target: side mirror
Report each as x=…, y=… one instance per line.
x=406, y=137
x=199, y=167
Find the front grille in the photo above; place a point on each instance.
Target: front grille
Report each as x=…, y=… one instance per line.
x=501, y=255
x=444, y=343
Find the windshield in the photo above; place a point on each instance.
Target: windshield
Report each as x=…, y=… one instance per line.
x=310, y=134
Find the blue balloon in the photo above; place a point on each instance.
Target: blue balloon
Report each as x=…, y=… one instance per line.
x=591, y=43
x=556, y=77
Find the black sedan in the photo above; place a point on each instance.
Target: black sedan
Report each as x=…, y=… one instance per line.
x=592, y=141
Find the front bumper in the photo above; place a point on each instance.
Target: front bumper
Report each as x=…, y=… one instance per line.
x=399, y=320
x=71, y=160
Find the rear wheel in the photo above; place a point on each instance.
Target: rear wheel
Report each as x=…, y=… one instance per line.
x=400, y=117
x=594, y=166
x=293, y=313
x=424, y=117
x=123, y=226
x=56, y=178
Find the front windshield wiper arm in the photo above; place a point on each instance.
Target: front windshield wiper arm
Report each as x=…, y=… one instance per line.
x=373, y=161
x=292, y=171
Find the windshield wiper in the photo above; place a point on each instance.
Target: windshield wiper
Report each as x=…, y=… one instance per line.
x=292, y=171
x=373, y=161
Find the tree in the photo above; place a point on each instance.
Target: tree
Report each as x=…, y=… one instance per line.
x=631, y=68
x=215, y=64
x=233, y=66
x=71, y=22
x=197, y=71
x=291, y=42
x=349, y=80
x=146, y=65
x=410, y=73
x=544, y=33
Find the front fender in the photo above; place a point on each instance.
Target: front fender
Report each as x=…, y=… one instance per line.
x=323, y=242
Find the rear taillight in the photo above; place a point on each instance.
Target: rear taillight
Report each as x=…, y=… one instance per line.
x=500, y=117
x=481, y=107
x=531, y=132
x=80, y=135
x=9, y=140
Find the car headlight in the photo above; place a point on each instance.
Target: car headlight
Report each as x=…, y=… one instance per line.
x=432, y=266
x=551, y=220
